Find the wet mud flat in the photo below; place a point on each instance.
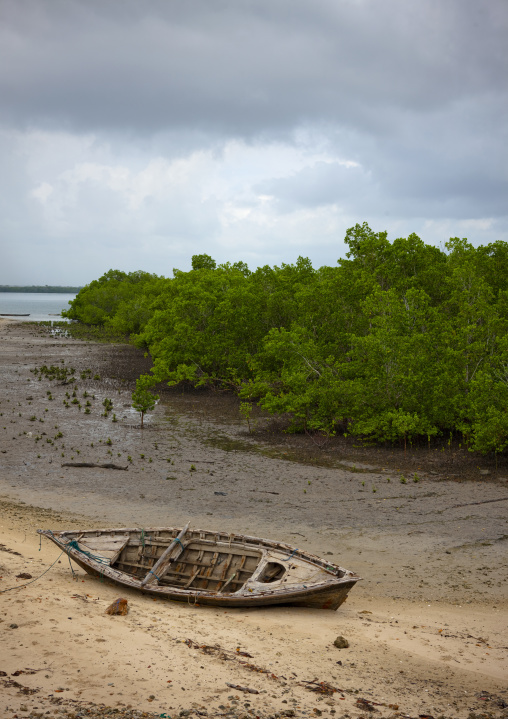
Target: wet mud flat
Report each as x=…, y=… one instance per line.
x=426, y=627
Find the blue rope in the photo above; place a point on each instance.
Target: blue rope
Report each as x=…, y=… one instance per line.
x=156, y=577
x=292, y=553
x=73, y=544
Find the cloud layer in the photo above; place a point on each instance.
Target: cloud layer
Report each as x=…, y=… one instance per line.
x=134, y=135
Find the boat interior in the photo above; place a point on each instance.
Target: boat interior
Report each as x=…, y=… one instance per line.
x=201, y=561
x=197, y=566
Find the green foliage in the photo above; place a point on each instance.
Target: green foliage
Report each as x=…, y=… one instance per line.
x=143, y=401
x=203, y=262
x=400, y=340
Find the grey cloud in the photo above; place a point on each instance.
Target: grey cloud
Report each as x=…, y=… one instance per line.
x=243, y=68
x=414, y=92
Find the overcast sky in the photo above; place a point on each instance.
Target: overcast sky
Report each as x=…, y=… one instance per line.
x=136, y=133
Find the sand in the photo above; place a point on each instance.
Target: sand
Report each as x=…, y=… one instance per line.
x=427, y=626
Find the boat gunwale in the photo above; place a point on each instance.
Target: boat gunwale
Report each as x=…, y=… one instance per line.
x=230, y=538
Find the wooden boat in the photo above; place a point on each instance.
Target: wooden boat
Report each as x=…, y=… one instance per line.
x=2, y=314
x=207, y=567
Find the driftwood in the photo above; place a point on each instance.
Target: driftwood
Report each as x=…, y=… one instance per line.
x=107, y=465
x=264, y=491
x=483, y=501
x=242, y=689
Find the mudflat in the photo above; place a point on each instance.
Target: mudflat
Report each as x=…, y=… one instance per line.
x=427, y=626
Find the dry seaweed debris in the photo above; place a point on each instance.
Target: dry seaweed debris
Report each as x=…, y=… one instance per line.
x=321, y=687
x=228, y=655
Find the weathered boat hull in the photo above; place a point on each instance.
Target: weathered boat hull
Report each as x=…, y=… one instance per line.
x=267, y=573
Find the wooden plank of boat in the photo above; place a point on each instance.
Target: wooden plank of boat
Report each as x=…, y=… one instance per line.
x=164, y=560
x=214, y=568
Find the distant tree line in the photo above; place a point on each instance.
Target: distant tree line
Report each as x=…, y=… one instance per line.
x=400, y=340
x=39, y=288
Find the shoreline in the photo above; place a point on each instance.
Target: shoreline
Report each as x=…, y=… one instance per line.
x=427, y=626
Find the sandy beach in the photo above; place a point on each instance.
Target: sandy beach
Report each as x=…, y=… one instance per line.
x=427, y=627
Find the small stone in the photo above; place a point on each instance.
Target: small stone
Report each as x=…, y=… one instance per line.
x=341, y=642
x=119, y=607
x=13, y=626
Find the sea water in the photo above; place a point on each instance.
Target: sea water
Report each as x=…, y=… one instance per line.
x=40, y=306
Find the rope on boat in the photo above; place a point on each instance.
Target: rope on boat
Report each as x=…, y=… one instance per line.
x=291, y=555
x=156, y=577
x=73, y=544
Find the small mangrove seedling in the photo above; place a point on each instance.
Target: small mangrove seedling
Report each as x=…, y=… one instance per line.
x=192, y=468
x=416, y=478
x=114, y=418
x=403, y=480
x=143, y=401
x=246, y=411
x=129, y=458
x=87, y=410
x=150, y=460
x=142, y=456
x=109, y=442
x=374, y=490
